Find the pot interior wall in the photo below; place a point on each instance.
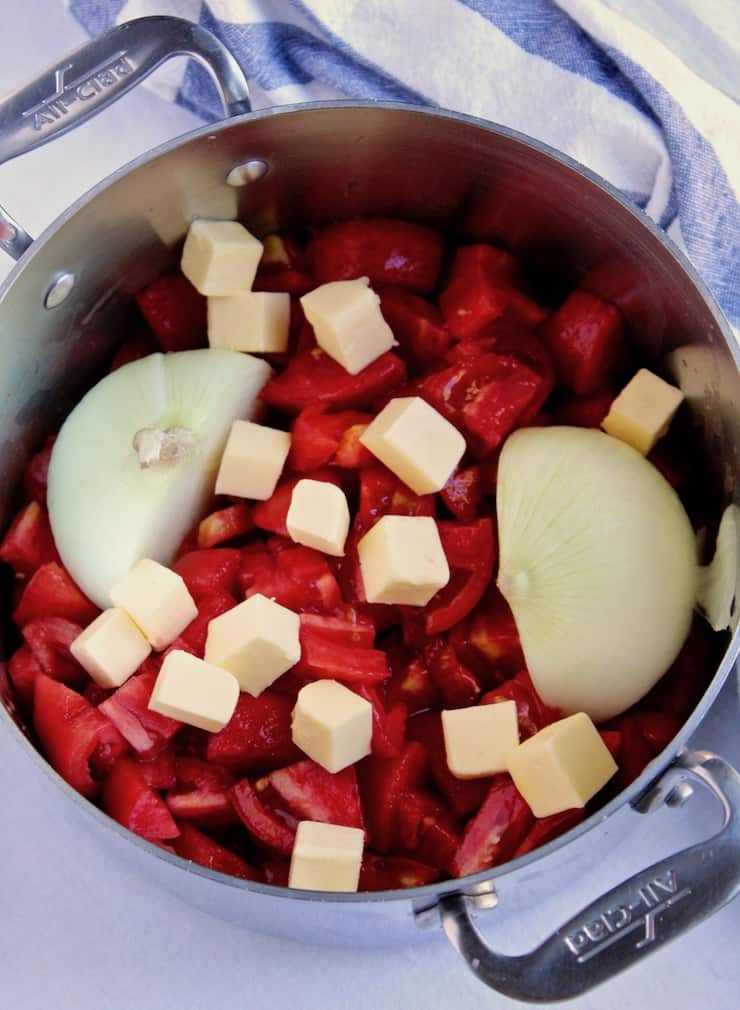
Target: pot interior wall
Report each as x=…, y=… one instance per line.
x=333, y=162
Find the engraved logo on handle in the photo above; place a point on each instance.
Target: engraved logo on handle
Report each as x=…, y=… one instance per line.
x=592, y=937
x=105, y=75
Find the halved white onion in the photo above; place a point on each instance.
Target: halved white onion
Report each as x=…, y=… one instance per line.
x=719, y=579
x=598, y=564
x=109, y=506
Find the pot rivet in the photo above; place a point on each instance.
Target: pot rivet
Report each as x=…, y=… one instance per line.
x=247, y=171
x=680, y=794
x=59, y=290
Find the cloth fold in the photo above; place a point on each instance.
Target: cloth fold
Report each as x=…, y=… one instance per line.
x=576, y=74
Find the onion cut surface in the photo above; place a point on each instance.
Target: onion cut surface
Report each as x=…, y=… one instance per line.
x=598, y=564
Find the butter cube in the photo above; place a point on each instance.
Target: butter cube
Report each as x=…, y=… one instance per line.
x=479, y=739
x=257, y=641
x=195, y=692
x=157, y=600
x=416, y=443
x=348, y=323
x=220, y=257
x=318, y=516
x=326, y=857
x=643, y=411
x=562, y=766
x=111, y=648
x=332, y=724
x=253, y=460
x=257, y=321
x=402, y=561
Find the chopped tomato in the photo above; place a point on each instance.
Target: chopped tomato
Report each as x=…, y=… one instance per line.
x=392, y=873
x=199, y=848
x=128, y=709
x=383, y=781
x=140, y=344
x=130, y=801
x=313, y=794
x=175, y=311
x=158, y=771
x=488, y=641
x=470, y=550
x=544, y=829
x=316, y=436
x=427, y=829
x=417, y=325
x=225, y=524
x=50, y=592
x=29, y=544
x=296, y=577
x=586, y=339
x=463, y=795
x=272, y=514
x=532, y=713
x=458, y=686
x=323, y=657
x=49, y=639
x=257, y=738
x=495, y=832
x=351, y=628
x=462, y=493
x=209, y=607
x=264, y=826
x=414, y=687
x=470, y=302
x=209, y=572
x=36, y=473
x=585, y=411
x=389, y=721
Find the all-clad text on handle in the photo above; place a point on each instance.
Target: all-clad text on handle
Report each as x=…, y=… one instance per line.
x=633, y=919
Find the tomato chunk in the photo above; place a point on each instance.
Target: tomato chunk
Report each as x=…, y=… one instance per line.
x=139, y=345
x=313, y=377
x=385, y=250
x=128, y=709
x=544, y=829
x=199, y=848
x=296, y=577
x=463, y=795
x=257, y=738
x=209, y=572
x=462, y=493
x=272, y=514
x=76, y=737
x=393, y=873
x=488, y=642
x=494, y=834
x=49, y=639
x=458, y=686
x=417, y=325
x=413, y=685
x=383, y=781
x=586, y=339
x=352, y=628
x=470, y=550
x=50, y=592
x=175, y=311
x=473, y=300
x=389, y=722
x=29, y=544
x=532, y=713
x=225, y=524
x=130, y=801
x=23, y=670
x=427, y=830
x=585, y=411
x=201, y=792
x=313, y=794
x=264, y=826
x=209, y=607
x=36, y=473
x=317, y=435
x=158, y=771
x=323, y=657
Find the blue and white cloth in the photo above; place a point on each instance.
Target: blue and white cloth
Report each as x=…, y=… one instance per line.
x=576, y=74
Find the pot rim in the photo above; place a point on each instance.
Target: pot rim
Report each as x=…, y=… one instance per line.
x=429, y=893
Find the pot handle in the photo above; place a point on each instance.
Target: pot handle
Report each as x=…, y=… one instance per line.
x=631, y=920
x=94, y=76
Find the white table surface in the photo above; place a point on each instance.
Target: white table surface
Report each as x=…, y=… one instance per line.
x=81, y=931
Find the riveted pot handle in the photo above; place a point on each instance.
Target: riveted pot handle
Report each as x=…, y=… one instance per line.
x=632, y=920
x=94, y=76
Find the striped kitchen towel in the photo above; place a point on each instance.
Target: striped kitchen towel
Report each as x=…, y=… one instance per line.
x=576, y=74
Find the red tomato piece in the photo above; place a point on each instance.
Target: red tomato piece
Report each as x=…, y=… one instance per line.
x=382, y=493
x=176, y=313
x=225, y=524
x=613, y=742
x=532, y=713
x=463, y=795
x=264, y=826
x=282, y=267
x=679, y=690
x=257, y=739
x=417, y=325
x=77, y=739
x=316, y=436
x=389, y=722
x=323, y=657
x=23, y=669
x=29, y=543
x=483, y=262
x=201, y=792
x=427, y=830
x=352, y=628
x=129, y=800
x=414, y=687
x=635, y=753
x=586, y=339
x=36, y=473
x=199, y=848
x=49, y=639
x=544, y=829
x=383, y=781
x=458, y=686
x=209, y=607
x=470, y=550
x=462, y=493
x=276, y=871
x=139, y=345
x=469, y=303
x=385, y=250
x=658, y=728
x=207, y=572
x=393, y=873
x=313, y=377
x=128, y=709
x=585, y=411
x=313, y=794
x=351, y=454
x=296, y=577
x=272, y=514
x=159, y=771
x=494, y=834
x=488, y=642
x=50, y=592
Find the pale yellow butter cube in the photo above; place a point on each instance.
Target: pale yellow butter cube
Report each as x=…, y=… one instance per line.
x=562, y=766
x=220, y=257
x=111, y=648
x=157, y=600
x=348, y=323
x=332, y=724
x=257, y=322
x=252, y=461
x=195, y=692
x=402, y=561
x=257, y=641
x=326, y=857
x=416, y=443
x=643, y=411
x=479, y=739
x=318, y=516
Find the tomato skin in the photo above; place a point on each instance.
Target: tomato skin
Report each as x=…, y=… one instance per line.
x=209, y=571
x=383, y=781
x=50, y=592
x=470, y=550
x=586, y=339
x=264, y=826
x=199, y=848
x=417, y=325
x=176, y=313
x=29, y=543
x=129, y=800
x=493, y=835
x=314, y=794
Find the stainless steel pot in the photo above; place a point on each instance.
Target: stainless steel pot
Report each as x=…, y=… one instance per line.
x=66, y=304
